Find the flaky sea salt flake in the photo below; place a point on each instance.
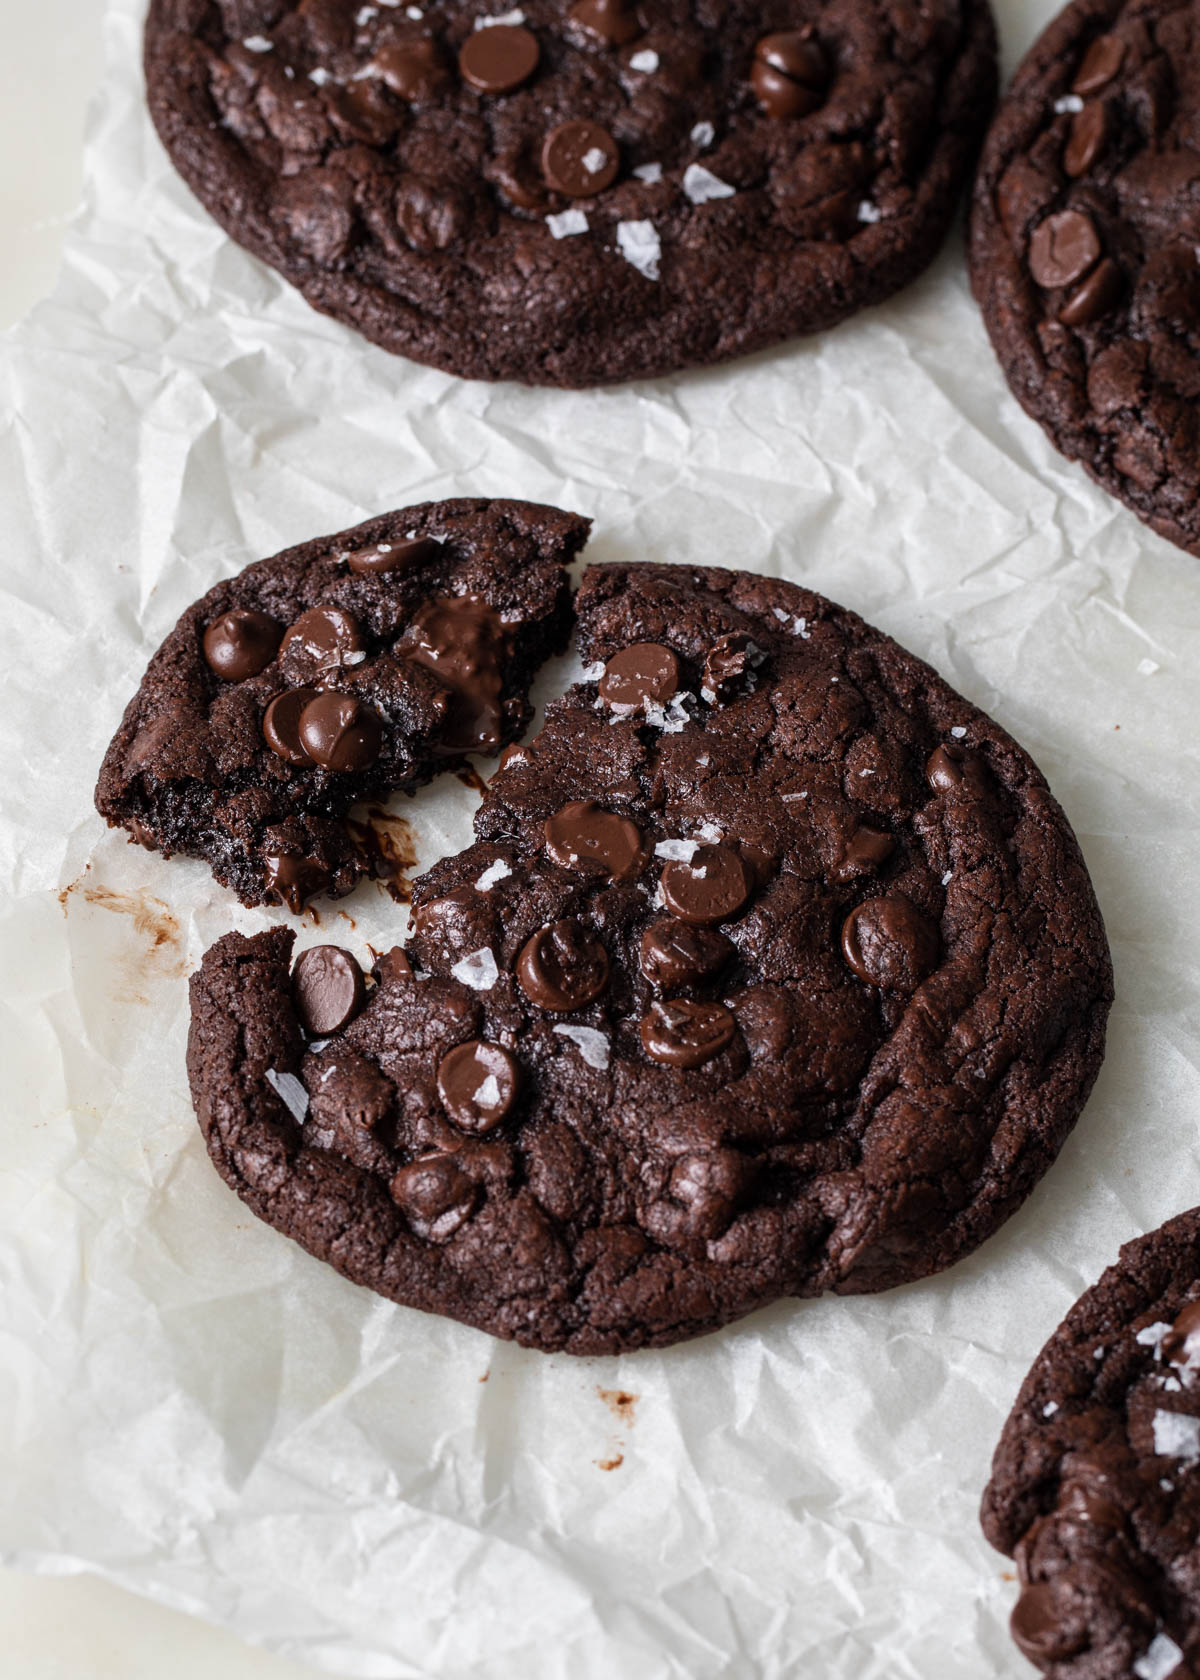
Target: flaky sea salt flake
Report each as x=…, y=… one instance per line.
x=478, y=970
x=290, y=1092
x=700, y=184
x=641, y=247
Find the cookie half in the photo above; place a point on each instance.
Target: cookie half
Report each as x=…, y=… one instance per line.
x=340, y=670
x=774, y=969
x=576, y=194
x=1083, y=243
x=1095, y=1485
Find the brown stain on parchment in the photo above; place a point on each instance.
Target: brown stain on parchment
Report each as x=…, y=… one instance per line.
x=470, y=777
x=389, y=849
x=622, y=1405
x=160, y=955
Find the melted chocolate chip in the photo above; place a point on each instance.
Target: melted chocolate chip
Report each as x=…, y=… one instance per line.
x=281, y=724
x=399, y=556
x=644, y=672
x=674, y=954
x=789, y=73
x=580, y=159
x=328, y=989
x=292, y=880
x=462, y=640
x=582, y=835
x=1100, y=64
x=413, y=69
x=955, y=769
x=241, y=643
x=685, y=1034
x=1175, y=1343
x=1080, y=1503
x=324, y=639
x=1087, y=139
x=1097, y=295
x=713, y=885
x=891, y=944
x=478, y=1084
x=1063, y=248
x=340, y=733
x=615, y=22
x=867, y=848
x=726, y=666
x=562, y=967
x=498, y=59
x=392, y=967
x=436, y=1196
x=1038, y=1629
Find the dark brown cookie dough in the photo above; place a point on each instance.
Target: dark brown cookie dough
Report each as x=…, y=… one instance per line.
x=340, y=670
x=577, y=194
x=774, y=969
x=1084, y=234
x=1095, y=1485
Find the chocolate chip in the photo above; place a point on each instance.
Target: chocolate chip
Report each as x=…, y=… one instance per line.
x=674, y=954
x=563, y=966
x=645, y=672
x=867, y=848
x=1087, y=139
x=726, y=665
x=714, y=884
x=1100, y=64
x=1063, y=248
x=328, y=989
x=241, y=643
x=340, y=733
x=436, y=1196
x=1097, y=295
x=292, y=880
x=1082, y=1504
x=323, y=640
x=789, y=73
x=580, y=159
x=398, y=556
x=392, y=967
x=1175, y=1343
x=951, y=769
x=582, y=835
x=1038, y=1628
x=478, y=1084
x=462, y=640
x=281, y=724
x=499, y=58
x=413, y=69
x=615, y=22
x=685, y=1034
x=891, y=944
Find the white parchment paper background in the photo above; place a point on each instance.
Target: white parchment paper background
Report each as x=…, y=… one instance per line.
x=193, y=1407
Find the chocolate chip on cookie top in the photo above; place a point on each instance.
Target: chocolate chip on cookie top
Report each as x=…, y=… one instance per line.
x=1094, y=1486
x=1082, y=249
x=773, y=968
x=537, y=193
x=334, y=672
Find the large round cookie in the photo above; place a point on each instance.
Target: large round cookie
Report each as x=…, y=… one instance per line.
x=777, y=970
x=340, y=670
x=1083, y=244
x=1095, y=1485
x=575, y=194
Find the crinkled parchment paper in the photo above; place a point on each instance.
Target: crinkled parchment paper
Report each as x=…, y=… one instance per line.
x=193, y=1407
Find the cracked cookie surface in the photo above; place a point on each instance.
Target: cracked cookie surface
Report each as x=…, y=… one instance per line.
x=577, y=194
x=342, y=669
x=1084, y=232
x=774, y=969
x=1095, y=1487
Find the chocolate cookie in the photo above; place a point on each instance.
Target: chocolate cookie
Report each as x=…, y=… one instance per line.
x=571, y=194
x=1095, y=1486
x=1083, y=247
x=339, y=670
x=774, y=969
